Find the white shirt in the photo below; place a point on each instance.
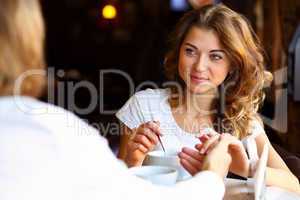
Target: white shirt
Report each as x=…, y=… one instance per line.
x=153, y=104
x=49, y=153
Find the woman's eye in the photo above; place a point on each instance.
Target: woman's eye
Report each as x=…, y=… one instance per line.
x=215, y=57
x=190, y=52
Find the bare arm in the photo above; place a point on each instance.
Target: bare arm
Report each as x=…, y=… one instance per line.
x=125, y=134
x=278, y=174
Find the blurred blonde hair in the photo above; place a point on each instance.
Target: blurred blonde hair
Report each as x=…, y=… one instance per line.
x=21, y=46
x=243, y=98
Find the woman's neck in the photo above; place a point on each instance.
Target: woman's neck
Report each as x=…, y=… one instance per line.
x=198, y=105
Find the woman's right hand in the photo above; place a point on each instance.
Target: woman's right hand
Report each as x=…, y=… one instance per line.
x=217, y=159
x=143, y=140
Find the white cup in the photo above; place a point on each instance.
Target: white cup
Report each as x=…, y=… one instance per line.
x=160, y=175
x=162, y=158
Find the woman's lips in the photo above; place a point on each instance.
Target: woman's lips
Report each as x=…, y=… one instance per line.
x=198, y=80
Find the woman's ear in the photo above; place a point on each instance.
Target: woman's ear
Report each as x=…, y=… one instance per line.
x=268, y=78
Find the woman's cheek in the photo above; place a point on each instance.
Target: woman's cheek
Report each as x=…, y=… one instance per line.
x=182, y=72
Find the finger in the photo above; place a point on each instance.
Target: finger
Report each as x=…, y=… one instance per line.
x=139, y=146
x=190, y=168
x=236, y=147
x=236, y=144
x=193, y=153
x=149, y=134
x=204, y=138
x=197, y=164
x=155, y=127
x=134, y=132
x=199, y=146
x=223, y=142
x=213, y=145
x=232, y=141
x=142, y=148
x=209, y=143
x=142, y=139
x=157, y=122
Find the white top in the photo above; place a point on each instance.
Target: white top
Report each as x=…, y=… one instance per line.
x=48, y=153
x=153, y=104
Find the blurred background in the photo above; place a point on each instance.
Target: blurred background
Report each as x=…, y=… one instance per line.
x=87, y=36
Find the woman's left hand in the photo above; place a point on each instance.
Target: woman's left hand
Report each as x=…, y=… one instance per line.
x=240, y=162
x=192, y=160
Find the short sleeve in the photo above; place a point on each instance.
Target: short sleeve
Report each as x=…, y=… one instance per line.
x=256, y=128
x=130, y=114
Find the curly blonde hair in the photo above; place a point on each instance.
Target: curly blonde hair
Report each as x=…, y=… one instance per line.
x=243, y=98
x=21, y=46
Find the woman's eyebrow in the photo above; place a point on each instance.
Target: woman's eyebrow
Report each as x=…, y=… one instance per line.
x=211, y=51
x=217, y=50
x=189, y=44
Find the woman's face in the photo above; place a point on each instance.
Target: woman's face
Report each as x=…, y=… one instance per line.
x=199, y=3
x=203, y=64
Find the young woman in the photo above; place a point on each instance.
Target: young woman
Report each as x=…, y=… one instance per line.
x=217, y=60
x=49, y=153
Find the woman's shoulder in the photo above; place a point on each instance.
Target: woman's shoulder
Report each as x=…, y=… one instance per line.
x=59, y=118
x=41, y=114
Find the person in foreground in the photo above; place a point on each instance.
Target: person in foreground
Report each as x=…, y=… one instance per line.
x=49, y=153
x=217, y=64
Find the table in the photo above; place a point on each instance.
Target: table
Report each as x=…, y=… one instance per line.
x=241, y=190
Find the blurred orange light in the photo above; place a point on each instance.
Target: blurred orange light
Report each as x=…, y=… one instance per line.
x=109, y=12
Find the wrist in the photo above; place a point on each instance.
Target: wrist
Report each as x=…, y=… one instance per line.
x=133, y=161
x=208, y=166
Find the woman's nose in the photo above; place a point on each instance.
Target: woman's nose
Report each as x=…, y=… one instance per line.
x=201, y=64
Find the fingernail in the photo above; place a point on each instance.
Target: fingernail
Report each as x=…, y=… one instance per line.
x=184, y=149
